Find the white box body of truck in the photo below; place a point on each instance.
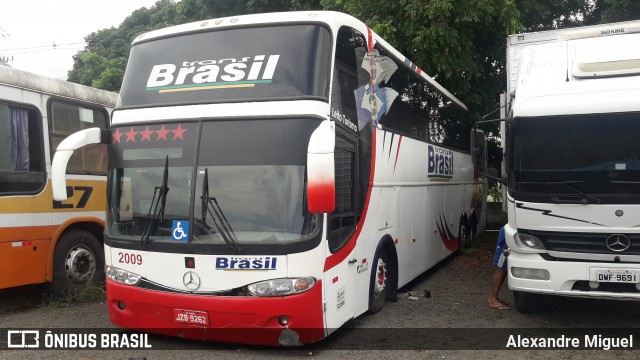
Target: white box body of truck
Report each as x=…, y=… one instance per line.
x=572, y=145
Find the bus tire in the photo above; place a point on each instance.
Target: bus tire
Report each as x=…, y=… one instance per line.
x=78, y=263
x=463, y=236
x=379, y=281
x=528, y=303
x=474, y=230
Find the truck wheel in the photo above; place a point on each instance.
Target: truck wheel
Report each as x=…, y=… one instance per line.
x=379, y=282
x=78, y=262
x=527, y=303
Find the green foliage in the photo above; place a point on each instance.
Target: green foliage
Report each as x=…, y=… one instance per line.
x=458, y=42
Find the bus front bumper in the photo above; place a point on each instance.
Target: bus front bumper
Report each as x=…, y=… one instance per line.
x=250, y=320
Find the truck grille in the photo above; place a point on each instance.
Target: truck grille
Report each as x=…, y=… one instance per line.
x=589, y=243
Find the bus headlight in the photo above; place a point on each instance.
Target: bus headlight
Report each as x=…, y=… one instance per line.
x=280, y=287
x=122, y=276
x=528, y=241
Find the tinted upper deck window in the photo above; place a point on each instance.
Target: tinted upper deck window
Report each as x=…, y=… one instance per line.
x=241, y=64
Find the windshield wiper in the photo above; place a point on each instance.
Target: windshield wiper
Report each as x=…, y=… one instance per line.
x=210, y=206
x=568, y=185
x=157, y=204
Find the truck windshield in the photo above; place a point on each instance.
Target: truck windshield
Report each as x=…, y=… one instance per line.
x=593, y=156
x=249, y=182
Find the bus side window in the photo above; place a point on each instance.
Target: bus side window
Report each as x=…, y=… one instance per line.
x=67, y=118
x=342, y=222
x=21, y=160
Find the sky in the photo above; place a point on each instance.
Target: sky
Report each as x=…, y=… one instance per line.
x=30, y=28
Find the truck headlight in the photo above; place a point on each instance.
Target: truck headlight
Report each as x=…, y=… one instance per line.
x=528, y=241
x=122, y=276
x=280, y=287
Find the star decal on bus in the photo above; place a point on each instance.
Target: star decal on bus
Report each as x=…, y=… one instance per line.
x=131, y=135
x=116, y=136
x=178, y=132
x=146, y=134
x=162, y=133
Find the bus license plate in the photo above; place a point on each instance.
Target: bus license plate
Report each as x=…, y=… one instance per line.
x=191, y=317
x=618, y=276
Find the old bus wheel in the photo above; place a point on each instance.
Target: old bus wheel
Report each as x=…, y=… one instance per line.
x=77, y=263
x=379, y=283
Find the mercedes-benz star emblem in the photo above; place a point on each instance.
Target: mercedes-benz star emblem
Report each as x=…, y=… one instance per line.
x=191, y=280
x=618, y=242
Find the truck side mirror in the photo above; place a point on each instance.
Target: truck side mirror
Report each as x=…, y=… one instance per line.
x=64, y=152
x=321, y=184
x=479, y=150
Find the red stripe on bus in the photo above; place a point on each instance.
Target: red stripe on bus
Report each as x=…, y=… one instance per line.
x=397, y=153
x=342, y=254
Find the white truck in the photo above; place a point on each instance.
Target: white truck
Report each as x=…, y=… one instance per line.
x=572, y=151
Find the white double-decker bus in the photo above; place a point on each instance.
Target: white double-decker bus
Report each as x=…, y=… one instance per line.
x=273, y=176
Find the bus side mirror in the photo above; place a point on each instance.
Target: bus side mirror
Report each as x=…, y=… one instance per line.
x=64, y=152
x=321, y=182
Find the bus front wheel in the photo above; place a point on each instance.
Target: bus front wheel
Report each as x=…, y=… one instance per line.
x=379, y=282
x=78, y=262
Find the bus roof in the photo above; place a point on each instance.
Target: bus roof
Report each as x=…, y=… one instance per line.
x=26, y=80
x=331, y=18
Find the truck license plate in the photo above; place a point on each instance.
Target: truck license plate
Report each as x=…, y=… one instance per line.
x=618, y=276
x=191, y=317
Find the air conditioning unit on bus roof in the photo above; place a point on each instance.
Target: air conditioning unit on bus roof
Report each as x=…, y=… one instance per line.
x=599, y=57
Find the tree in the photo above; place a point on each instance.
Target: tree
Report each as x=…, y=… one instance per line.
x=458, y=42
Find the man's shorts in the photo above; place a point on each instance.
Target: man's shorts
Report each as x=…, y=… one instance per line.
x=501, y=245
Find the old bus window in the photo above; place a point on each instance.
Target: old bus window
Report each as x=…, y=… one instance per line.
x=420, y=111
x=67, y=118
x=21, y=159
x=342, y=222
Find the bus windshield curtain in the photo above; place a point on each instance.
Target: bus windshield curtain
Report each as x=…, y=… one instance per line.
x=20, y=138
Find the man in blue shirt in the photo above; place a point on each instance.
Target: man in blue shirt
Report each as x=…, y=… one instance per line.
x=500, y=264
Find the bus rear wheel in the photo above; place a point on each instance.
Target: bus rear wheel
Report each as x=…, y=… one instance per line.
x=464, y=236
x=78, y=263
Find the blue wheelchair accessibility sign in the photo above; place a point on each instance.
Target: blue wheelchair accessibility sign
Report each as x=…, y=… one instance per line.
x=180, y=230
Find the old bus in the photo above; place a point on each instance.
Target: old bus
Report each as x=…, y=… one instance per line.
x=43, y=240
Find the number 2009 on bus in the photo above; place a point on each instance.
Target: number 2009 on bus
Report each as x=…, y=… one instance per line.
x=126, y=258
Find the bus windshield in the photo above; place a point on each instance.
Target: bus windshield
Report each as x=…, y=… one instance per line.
x=249, y=64
x=578, y=156
x=249, y=182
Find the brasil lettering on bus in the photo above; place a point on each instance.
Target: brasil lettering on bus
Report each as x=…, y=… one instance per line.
x=209, y=71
